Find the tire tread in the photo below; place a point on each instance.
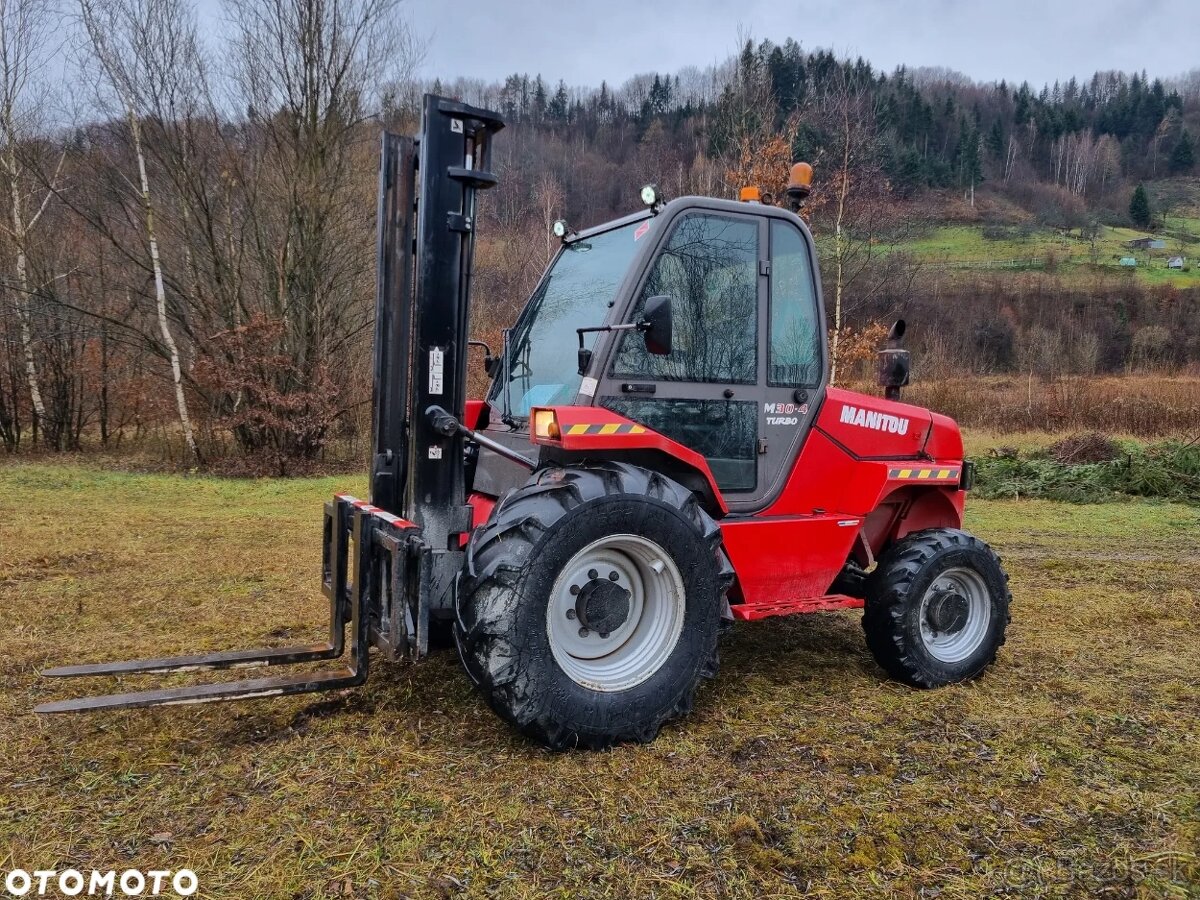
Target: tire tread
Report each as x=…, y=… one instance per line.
x=888, y=592
x=498, y=554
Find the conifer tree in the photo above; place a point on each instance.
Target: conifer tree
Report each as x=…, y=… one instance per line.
x=1139, y=208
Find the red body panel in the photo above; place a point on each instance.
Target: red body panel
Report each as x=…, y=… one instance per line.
x=870, y=471
x=865, y=468
x=473, y=413
x=873, y=427
x=945, y=440
x=778, y=560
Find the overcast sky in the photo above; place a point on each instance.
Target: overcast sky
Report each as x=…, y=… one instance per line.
x=584, y=41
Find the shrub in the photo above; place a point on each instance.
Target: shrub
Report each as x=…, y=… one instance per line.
x=278, y=413
x=1169, y=471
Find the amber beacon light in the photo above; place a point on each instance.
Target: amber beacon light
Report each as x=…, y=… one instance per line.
x=799, y=184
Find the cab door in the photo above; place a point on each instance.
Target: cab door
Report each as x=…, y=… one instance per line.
x=794, y=377
x=731, y=389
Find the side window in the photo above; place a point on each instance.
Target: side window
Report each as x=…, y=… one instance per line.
x=725, y=432
x=794, y=358
x=709, y=269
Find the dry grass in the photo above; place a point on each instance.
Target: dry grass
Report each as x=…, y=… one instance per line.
x=1071, y=769
x=1138, y=405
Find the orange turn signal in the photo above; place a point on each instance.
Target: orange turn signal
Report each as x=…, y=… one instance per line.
x=545, y=425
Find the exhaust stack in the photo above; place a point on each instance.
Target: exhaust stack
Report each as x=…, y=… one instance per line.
x=894, y=362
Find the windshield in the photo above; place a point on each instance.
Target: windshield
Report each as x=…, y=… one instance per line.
x=542, y=367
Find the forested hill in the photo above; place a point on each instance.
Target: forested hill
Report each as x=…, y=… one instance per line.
x=195, y=258
x=927, y=128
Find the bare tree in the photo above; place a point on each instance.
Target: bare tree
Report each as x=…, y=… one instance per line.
x=855, y=199
x=123, y=37
x=743, y=123
x=1166, y=127
x=1010, y=157
x=549, y=196
x=27, y=29
x=308, y=70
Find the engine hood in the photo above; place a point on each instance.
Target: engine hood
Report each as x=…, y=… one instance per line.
x=872, y=427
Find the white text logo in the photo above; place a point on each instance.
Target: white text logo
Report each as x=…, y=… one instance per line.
x=866, y=418
x=73, y=883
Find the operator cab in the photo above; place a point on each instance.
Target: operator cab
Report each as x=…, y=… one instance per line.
x=745, y=371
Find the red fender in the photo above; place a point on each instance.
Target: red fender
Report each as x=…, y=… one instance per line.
x=585, y=428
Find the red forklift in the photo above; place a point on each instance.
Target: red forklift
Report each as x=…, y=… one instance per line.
x=660, y=454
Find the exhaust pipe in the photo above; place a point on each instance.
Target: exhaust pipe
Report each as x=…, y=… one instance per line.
x=894, y=362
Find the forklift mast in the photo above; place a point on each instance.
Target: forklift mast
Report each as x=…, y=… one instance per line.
x=426, y=245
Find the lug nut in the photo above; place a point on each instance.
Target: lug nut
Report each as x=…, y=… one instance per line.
x=571, y=614
x=574, y=590
x=583, y=632
x=613, y=576
x=604, y=635
x=593, y=574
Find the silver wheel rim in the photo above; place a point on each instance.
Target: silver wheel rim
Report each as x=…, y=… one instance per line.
x=650, y=588
x=942, y=639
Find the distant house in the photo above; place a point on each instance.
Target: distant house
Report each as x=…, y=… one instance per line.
x=1146, y=244
x=1128, y=261
x=1175, y=262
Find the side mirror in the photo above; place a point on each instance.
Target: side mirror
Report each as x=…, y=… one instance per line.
x=491, y=364
x=657, y=325
x=585, y=360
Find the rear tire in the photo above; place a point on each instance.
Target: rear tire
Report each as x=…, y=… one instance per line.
x=937, y=606
x=623, y=550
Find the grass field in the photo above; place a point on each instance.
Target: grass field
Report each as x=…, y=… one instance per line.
x=967, y=247
x=1071, y=769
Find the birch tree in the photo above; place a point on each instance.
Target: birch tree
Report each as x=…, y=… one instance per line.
x=27, y=29
x=549, y=196
x=122, y=37
x=855, y=191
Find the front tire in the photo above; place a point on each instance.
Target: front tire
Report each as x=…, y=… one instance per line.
x=591, y=603
x=937, y=607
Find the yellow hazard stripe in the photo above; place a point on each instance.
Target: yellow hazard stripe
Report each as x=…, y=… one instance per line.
x=606, y=428
x=923, y=474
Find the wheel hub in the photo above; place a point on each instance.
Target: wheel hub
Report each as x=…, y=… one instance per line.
x=947, y=612
x=602, y=605
x=615, y=612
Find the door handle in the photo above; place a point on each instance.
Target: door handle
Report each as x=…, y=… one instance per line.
x=635, y=388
